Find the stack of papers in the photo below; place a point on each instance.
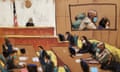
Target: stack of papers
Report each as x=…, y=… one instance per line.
x=35, y=59
x=77, y=60
x=93, y=62
x=22, y=63
x=78, y=54
x=23, y=58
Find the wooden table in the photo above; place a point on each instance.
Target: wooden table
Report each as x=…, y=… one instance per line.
x=30, y=53
x=63, y=54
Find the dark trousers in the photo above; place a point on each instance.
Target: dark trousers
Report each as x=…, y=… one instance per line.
x=113, y=66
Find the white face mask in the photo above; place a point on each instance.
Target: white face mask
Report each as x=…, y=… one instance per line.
x=83, y=41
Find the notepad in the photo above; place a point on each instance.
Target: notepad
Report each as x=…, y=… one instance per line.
x=35, y=59
x=93, y=69
x=77, y=60
x=22, y=63
x=23, y=58
x=78, y=54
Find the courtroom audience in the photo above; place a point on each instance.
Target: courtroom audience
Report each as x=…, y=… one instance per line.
x=89, y=22
x=92, y=15
x=78, y=20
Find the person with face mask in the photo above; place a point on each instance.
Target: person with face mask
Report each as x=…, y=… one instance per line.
x=104, y=23
x=92, y=15
x=89, y=22
x=86, y=45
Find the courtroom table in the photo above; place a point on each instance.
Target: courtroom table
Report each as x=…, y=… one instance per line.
x=30, y=53
x=62, y=53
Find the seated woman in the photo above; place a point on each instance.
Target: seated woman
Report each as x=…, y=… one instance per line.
x=104, y=23
x=86, y=45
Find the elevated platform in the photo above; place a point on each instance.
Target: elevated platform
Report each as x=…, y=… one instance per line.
x=34, y=36
x=34, y=31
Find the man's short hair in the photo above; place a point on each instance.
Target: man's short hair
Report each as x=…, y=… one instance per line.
x=40, y=47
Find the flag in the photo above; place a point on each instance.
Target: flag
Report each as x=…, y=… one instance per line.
x=15, y=15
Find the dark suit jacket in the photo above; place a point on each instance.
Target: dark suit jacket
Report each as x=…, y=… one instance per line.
x=43, y=54
x=86, y=48
x=49, y=67
x=41, y=57
x=72, y=50
x=70, y=38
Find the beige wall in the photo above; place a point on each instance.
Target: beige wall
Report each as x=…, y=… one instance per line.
x=63, y=21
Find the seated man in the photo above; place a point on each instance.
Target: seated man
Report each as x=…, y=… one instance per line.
x=106, y=59
x=11, y=61
x=69, y=37
x=87, y=24
x=102, y=54
x=49, y=66
x=7, y=46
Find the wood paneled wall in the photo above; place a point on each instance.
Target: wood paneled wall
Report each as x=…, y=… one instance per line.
x=63, y=21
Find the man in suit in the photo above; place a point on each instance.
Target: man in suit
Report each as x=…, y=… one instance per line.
x=72, y=51
x=7, y=47
x=43, y=53
x=49, y=66
x=69, y=37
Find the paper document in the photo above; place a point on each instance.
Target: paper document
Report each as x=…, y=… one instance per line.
x=77, y=60
x=78, y=55
x=22, y=63
x=35, y=59
x=23, y=58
